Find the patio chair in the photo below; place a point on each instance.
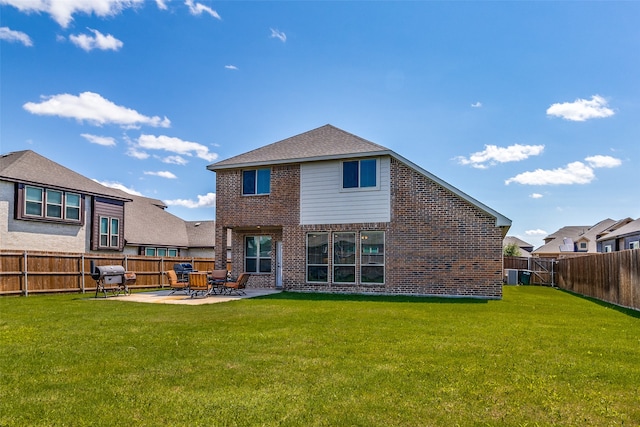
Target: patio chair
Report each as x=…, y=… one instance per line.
x=218, y=278
x=237, y=286
x=175, y=285
x=199, y=283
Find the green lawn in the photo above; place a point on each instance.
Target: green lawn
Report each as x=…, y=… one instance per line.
x=538, y=357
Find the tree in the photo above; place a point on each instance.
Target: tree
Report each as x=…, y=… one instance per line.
x=511, y=250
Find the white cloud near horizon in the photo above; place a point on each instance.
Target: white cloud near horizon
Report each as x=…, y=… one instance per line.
x=62, y=11
x=276, y=34
x=493, y=154
x=161, y=174
x=12, y=36
x=573, y=173
x=536, y=196
x=199, y=9
x=106, y=141
x=536, y=232
x=94, y=109
x=119, y=186
x=582, y=109
x=175, y=145
x=204, y=201
x=98, y=41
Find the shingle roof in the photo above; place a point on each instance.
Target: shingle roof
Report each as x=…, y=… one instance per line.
x=201, y=234
x=30, y=167
x=330, y=143
x=575, y=233
x=631, y=228
x=323, y=143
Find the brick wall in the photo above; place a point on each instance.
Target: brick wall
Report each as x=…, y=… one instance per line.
x=436, y=243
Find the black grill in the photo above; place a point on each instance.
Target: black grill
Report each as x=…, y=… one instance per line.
x=112, y=278
x=182, y=270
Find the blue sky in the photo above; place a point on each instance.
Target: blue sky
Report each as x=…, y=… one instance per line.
x=533, y=108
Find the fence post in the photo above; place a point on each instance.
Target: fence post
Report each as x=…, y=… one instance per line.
x=25, y=273
x=82, y=272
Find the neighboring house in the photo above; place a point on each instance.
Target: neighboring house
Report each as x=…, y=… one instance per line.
x=328, y=211
x=576, y=240
x=152, y=231
x=625, y=237
x=47, y=207
x=525, y=248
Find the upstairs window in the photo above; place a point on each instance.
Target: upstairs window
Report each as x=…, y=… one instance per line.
x=256, y=181
x=48, y=204
x=109, y=232
x=360, y=173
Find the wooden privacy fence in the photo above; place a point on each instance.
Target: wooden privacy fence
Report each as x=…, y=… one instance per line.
x=23, y=273
x=613, y=277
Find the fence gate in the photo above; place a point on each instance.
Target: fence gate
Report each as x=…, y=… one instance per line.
x=542, y=271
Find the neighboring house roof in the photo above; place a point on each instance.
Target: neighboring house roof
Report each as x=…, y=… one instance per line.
x=330, y=143
x=576, y=233
x=519, y=242
x=614, y=227
x=630, y=228
x=201, y=234
x=29, y=167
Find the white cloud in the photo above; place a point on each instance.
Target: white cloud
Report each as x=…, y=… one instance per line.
x=199, y=9
x=62, y=11
x=536, y=232
x=536, y=196
x=573, y=173
x=94, y=109
x=493, y=154
x=230, y=67
x=137, y=154
x=107, y=141
x=99, y=41
x=175, y=145
x=162, y=5
x=600, y=161
x=161, y=174
x=10, y=35
x=275, y=34
x=175, y=160
x=581, y=109
x=119, y=186
x=477, y=104
x=206, y=201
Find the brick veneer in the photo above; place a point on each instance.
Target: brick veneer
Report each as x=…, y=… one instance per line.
x=435, y=244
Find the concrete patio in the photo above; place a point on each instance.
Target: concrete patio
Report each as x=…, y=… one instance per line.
x=165, y=297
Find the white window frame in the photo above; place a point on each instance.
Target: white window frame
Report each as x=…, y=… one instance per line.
x=366, y=255
x=48, y=193
x=308, y=264
x=45, y=202
x=336, y=253
x=256, y=182
x=359, y=187
x=109, y=234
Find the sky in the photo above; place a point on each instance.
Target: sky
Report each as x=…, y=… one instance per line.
x=532, y=108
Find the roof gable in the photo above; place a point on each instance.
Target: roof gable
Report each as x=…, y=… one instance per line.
x=324, y=143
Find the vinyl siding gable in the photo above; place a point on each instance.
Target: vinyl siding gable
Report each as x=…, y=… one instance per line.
x=324, y=201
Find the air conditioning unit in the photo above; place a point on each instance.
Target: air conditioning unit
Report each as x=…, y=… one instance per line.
x=512, y=276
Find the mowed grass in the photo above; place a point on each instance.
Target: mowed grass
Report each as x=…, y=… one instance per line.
x=538, y=357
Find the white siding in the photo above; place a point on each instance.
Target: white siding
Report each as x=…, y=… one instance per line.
x=35, y=235
x=323, y=201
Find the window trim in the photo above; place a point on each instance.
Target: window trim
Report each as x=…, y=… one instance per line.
x=258, y=258
x=256, y=182
x=45, y=202
x=359, y=187
x=110, y=235
x=383, y=264
x=336, y=264
x=308, y=264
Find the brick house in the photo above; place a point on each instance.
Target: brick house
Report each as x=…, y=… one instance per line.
x=328, y=211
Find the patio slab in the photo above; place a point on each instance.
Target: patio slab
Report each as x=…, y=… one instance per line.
x=165, y=297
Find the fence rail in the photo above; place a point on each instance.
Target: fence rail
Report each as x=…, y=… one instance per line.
x=22, y=273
